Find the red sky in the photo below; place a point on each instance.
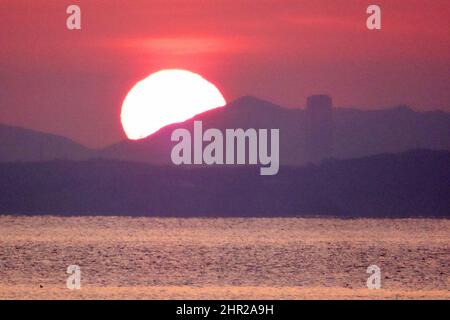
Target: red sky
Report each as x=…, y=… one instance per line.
x=73, y=82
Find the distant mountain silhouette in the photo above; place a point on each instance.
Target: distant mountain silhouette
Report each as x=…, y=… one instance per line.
x=306, y=135
x=354, y=133
x=18, y=144
x=410, y=184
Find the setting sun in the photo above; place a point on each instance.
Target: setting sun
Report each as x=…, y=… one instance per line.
x=166, y=97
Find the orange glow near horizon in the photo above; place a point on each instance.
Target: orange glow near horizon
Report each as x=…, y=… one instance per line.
x=166, y=97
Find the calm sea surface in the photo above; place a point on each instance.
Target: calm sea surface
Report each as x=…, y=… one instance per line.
x=281, y=258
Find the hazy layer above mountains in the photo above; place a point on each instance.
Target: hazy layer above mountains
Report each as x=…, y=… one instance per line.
x=354, y=133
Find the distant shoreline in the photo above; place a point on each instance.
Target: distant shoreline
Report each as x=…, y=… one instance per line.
x=406, y=185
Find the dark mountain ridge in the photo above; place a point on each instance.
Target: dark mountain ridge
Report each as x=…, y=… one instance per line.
x=354, y=133
x=19, y=144
x=350, y=133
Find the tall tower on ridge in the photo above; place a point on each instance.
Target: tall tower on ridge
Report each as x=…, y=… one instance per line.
x=319, y=128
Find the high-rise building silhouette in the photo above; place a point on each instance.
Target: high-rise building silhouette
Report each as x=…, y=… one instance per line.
x=319, y=128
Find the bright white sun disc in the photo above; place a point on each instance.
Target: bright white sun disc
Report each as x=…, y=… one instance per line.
x=166, y=97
